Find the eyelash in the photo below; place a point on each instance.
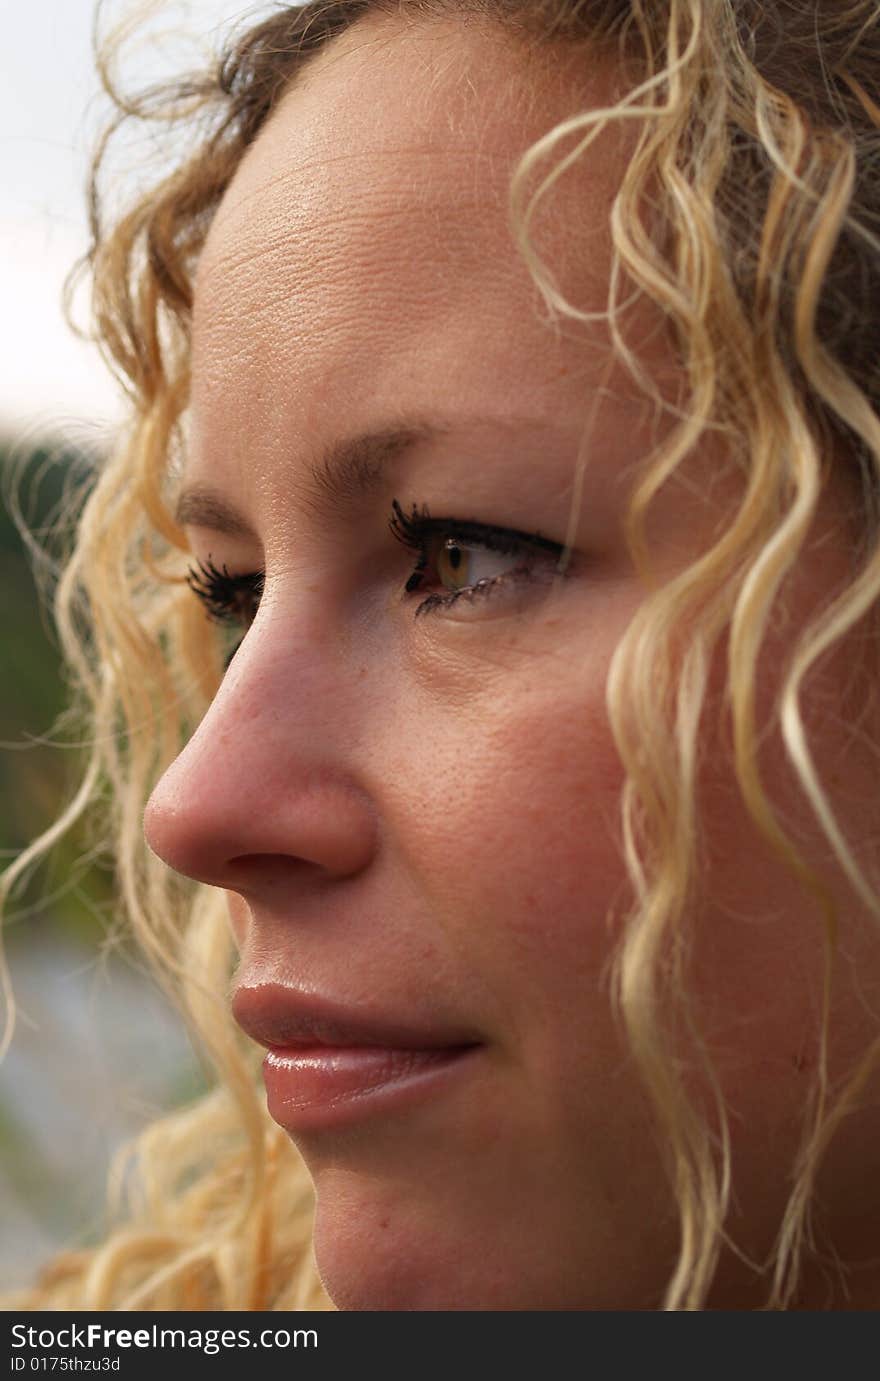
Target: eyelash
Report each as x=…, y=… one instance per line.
x=225, y=597
x=417, y=530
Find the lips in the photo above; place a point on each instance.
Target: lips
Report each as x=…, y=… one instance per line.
x=329, y=1064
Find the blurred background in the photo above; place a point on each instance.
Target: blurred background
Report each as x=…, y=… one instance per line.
x=97, y=1052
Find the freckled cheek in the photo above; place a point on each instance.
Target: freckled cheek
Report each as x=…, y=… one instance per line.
x=533, y=862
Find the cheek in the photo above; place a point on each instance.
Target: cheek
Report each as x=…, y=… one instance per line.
x=520, y=856
x=552, y=833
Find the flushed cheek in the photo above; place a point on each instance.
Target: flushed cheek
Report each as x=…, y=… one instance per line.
x=523, y=886
x=528, y=865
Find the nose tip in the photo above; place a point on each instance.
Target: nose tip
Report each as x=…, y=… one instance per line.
x=252, y=793
x=232, y=837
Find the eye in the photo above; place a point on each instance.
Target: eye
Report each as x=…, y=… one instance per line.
x=232, y=600
x=468, y=559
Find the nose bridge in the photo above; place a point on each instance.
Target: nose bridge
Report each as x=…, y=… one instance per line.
x=270, y=772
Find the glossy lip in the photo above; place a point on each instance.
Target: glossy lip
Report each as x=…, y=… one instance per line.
x=330, y=1064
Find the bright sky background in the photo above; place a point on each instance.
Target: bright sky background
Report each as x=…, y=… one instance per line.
x=50, y=109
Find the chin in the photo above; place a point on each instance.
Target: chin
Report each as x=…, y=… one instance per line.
x=366, y=1264
x=377, y=1256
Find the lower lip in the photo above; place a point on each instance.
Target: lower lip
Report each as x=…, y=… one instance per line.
x=324, y=1086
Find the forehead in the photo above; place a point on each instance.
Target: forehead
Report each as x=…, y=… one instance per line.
x=411, y=122
x=368, y=227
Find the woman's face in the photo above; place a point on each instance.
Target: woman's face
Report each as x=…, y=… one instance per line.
x=411, y=799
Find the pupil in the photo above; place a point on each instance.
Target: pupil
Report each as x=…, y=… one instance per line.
x=455, y=557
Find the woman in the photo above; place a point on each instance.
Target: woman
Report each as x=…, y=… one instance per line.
x=505, y=387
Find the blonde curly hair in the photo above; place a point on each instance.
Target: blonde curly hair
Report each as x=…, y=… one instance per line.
x=758, y=150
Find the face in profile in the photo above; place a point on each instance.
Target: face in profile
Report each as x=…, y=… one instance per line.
x=407, y=783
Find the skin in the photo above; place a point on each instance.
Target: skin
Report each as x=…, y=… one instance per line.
x=419, y=814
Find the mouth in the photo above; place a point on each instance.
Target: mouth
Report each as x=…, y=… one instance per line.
x=330, y=1065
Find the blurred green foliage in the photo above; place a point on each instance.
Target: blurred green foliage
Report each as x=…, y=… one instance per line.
x=37, y=777
x=110, y=1052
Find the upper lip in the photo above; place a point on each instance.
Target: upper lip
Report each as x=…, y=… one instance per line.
x=282, y=1017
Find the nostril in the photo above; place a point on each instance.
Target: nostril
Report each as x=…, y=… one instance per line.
x=244, y=868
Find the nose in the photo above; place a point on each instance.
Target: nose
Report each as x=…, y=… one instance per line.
x=267, y=781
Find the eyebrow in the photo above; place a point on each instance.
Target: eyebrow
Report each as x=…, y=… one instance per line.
x=347, y=473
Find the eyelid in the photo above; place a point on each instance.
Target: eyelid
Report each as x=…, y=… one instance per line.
x=413, y=529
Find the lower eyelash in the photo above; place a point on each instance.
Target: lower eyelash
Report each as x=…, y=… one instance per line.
x=470, y=592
